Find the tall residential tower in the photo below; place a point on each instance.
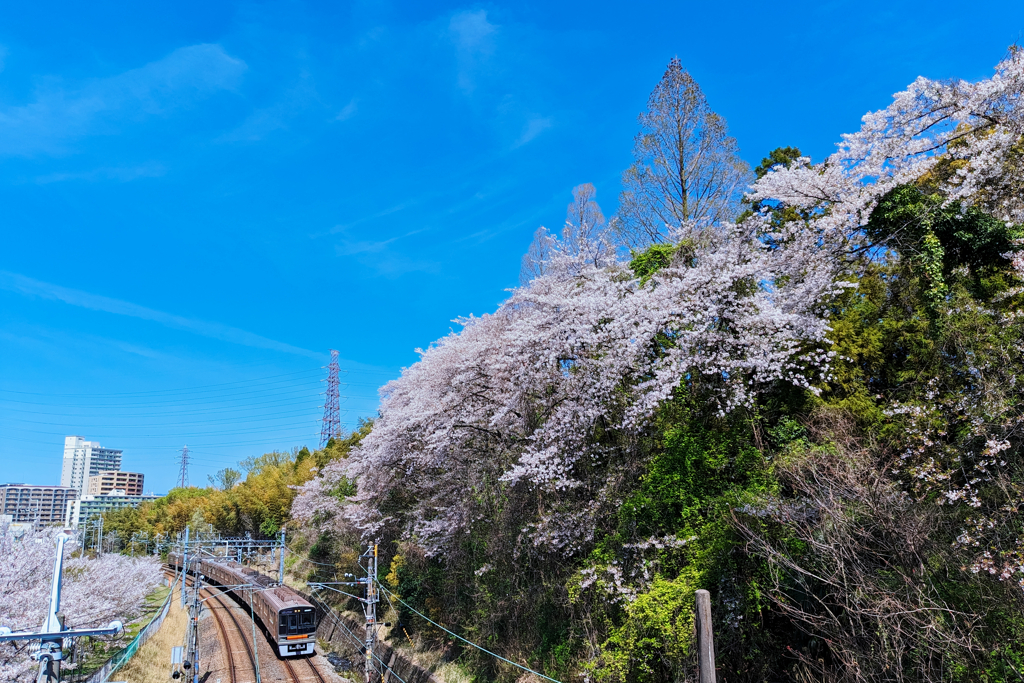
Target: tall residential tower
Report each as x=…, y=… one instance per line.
x=84, y=459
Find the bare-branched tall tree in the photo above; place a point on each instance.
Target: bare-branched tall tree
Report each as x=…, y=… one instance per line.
x=685, y=168
x=582, y=239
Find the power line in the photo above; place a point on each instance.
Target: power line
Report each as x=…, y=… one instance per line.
x=330, y=612
x=268, y=440
x=154, y=391
x=468, y=642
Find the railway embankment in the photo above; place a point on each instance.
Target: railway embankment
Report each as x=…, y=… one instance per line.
x=344, y=635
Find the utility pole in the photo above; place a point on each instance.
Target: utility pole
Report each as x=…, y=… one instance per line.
x=331, y=425
x=184, y=568
x=183, y=473
x=255, y=652
x=52, y=633
x=280, y=571
x=369, y=603
x=192, y=632
x=370, y=608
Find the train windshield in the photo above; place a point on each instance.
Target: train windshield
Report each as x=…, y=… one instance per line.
x=298, y=622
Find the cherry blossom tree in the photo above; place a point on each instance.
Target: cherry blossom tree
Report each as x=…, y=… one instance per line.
x=964, y=137
x=95, y=591
x=521, y=396
x=963, y=144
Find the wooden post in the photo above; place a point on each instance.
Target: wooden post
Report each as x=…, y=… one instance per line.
x=705, y=638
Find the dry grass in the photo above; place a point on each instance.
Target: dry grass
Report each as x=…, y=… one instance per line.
x=453, y=672
x=152, y=663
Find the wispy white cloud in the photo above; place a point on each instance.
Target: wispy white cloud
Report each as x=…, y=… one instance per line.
x=375, y=254
x=277, y=116
x=472, y=32
x=60, y=114
x=348, y=111
x=20, y=284
x=347, y=248
x=534, y=127
x=59, y=341
x=122, y=174
x=474, y=39
x=342, y=228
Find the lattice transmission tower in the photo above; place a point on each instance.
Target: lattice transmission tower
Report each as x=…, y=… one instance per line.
x=183, y=473
x=331, y=426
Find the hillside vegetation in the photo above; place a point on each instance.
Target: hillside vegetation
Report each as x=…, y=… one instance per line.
x=805, y=399
x=798, y=387
x=258, y=503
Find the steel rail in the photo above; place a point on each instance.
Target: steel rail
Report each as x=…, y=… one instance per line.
x=223, y=636
x=223, y=633
x=238, y=630
x=290, y=669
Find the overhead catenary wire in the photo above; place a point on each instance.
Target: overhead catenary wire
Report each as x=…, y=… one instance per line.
x=468, y=642
x=327, y=609
x=310, y=372
x=392, y=606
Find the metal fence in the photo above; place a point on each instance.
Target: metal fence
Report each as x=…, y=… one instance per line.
x=124, y=654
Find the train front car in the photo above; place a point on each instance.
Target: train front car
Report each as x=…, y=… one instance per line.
x=294, y=630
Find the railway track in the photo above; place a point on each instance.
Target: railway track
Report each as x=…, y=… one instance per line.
x=229, y=650
x=289, y=667
x=299, y=670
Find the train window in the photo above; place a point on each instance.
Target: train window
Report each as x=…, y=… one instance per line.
x=307, y=620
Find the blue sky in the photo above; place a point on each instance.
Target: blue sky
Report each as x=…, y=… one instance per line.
x=198, y=200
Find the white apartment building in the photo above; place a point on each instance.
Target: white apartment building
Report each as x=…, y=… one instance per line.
x=84, y=459
x=81, y=510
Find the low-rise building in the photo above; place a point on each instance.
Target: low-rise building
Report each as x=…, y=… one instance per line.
x=38, y=505
x=82, y=510
x=116, y=480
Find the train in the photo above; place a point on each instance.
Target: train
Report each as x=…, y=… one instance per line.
x=288, y=619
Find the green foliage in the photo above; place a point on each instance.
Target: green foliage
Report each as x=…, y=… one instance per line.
x=780, y=156
x=259, y=503
x=652, y=259
x=225, y=479
x=935, y=239
x=656, y=638
x=338, y=449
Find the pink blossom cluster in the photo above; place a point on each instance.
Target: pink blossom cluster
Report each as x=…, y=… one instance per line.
x=976, y=127
x=95, y=591
x=518, y=395
x=527, y=396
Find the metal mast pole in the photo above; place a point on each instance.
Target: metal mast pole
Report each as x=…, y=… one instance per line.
x=53, y=633
x=192, y=633
x=370, y=609
x=50, y=648
x=280, y=571
x=184, y=568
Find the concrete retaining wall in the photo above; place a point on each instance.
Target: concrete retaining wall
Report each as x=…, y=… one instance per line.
x=346, y=636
